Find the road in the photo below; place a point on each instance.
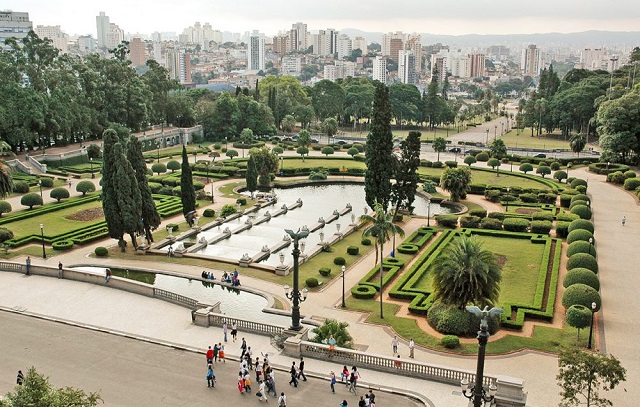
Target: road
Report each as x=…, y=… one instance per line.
x=129, y=372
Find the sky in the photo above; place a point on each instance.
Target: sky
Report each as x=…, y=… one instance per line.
x=272, y=16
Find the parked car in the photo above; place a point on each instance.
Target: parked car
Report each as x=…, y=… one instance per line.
x=540, y=155
x=455, y=150
x=341, y=142
x=314, y=140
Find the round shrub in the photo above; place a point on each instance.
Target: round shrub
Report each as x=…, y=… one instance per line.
x=482, y=156
x=583, y=260
x=451, y=320
x=209, y=213
x=542, y=215
x=629, y=174
x=526, y=168
x=630, y=184
x=576, y=202
x=325, y=271
x=437, y=164
x=5, y=207
x=581, y=294
x=579, y=234
x=353, y=250
x=154, y=187
x=339, y=261
x=198, y=185
x=173, y=165
x=365, y=241
x=566, y=217
x=20, y=187
x=62, y=244
x=173, y=227
x=241, y=201
x=469, y=221
x=101, y=251
x=59, y=193
x=529, y=198
x=515, y=224
x=581, y=189
x=159, y=168
x=492, y=195
x=581, y=224
x=470, y=160
x=46, y=182
x=450, y=341
x=491, y=224
x=481, y=213
x=5, y=234
x=582, y=276
x=176, y=191
x=565, y=200
x=543, y=170
x=407, y=248
x=580, y=197
x=616, y=177
x=31, y=199
x=542, y=227
x=555, y=166
x=311, y=282
x=578, y=181
x=363, y=292
x=580, y=247
x=451, y=164
x=582, y=210
x=578, y=316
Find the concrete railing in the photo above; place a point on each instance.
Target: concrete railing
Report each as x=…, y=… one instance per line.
x=206, y=318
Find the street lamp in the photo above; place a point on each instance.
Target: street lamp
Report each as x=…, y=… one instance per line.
x=477, y=392
x=44, y=253
x=343, y=303
x=501, y=128
x=593, y=313
x=40, y=185
x=486, y=139
x=508, y=198
x=296, y=296
x=91, y=163
x=613, y=60
x=428, y=212
x=281, y=166
x=158, y=146
x=590, y=247
x=495, y=132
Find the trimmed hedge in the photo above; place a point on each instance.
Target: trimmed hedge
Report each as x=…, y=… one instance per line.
x=339, y=261
x=630, y=184
x=353, y=250
x=581, y=224
x=542, y=227
x=542, y=215
x=566, y=217
x=209, y=213
x=582, y=276
x=581, y=246
x=578, y=181
x=579, y=234
x=365, y=241
x=469, y=221
x=62, y=245
x=515, y=224
x=583, y=211
x=325, y=271
x=583, y=260
x=562, y=229
x=363, y=292
x=581, y=294
x=311, y=282
x=447, y=221
x=101, y=251
x=407, y=249
x=491, y=223
x=450, y=341
x=480, y=213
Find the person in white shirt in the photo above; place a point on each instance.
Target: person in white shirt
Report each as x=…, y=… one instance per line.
x=412, y=345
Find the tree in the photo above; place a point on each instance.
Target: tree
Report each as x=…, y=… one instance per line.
x=335, y=328
x=327, y=99
x=439, y=145
x=159, y=168
x=252, y=176
x=560, y=175
x=465, y=274
x=231, y=153
x=406, y=103
x=302, y=151
x=266, y=164
x=5, y=207
x=246, y=137
x=326, y=150
x=579, y=316
x=37, y=391
x=304, y=138
x=403, y=191
x=498, y=149
x=470, y=160
x=494, y=163
x=577, y=142
x=526, y=167
x=173, y=165
x=456, y=181
x=330, y=127
x=288, y=123
x=59, y=193
x=128, y=198
x=112, y=213
x=85, y=186
x=148, y=211
x=543, y=170
x=352, y=151
x=583, y=374
x=6, y=180
x=187, y=193
x=380, y=227
x=378, y=159
x=31, y=199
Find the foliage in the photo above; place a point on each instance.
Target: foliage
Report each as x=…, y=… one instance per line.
x=491, y=223
x=5, y=234
x=482, y=156
x=159, y=168
x=582, y=210
x=439, y=145
x=311, y=282
x=335, y=328
x=450, y=341
x=631, y=184
x=327, y=150
x=172, y=165
x=581, y=294
x=59, y=193
x=101, y=251
x=353, y=250
x=251, y=176
x=582, y=276
x=20, y=187
x=469, y=221
x=46, y=182
x=447, y=221
x=583, y=375
x=579, y=234
x=515, y=224
x=581, y=224
x=497, y=148
x=85, y=186
x=542, y=227
x=5, y=207
x=526, y=167
x=470, y=160
x=339, y=261
x=404, y=189
x=560, y=175
x=450, y=319
x=582, y=260
x=227, y=209
x=465, y=274
x=187, y=193
x=325, y=271
x=578, y=316
x=580, y=246
x=31, y=199
x=543, y=170
x=456, y=181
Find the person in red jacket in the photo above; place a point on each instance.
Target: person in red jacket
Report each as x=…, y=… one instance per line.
x=209, y=356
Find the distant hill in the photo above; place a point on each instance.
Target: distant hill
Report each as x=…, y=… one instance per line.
x=585, y=39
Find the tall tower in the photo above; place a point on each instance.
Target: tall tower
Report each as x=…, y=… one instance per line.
x=255, y=52
x=380, y=69
x=102, y=23
x=531, y=61
x=407, y=66
x=298, y=37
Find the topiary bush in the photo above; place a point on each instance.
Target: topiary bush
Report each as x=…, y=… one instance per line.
x=616, y=177
x=363, y=292
x=470, y=160
x=630, y=184
x=62, y=244
x=20, y=187
x=407, y=249
x=526, y=168
x=447, y=221
x=542, y=227
x=555, y=166
x=578, y=181
x=542, y=215
x=562, y=229
x=582, y=276
x=339, y=261
x=450, y=341
x=566, y=217
x=227, y=210
x=59, y=194
x=311, y=282
x=496, y=215
x=581, y=247
x=451, y=320
x=31, y=199
x=583, y=260
x=46, y=182
x=469, y=221
x=159, y=168
x=581, y=294
x=581, y=224
x=325, y=271
x=101, y=251
x=365, y=241
x=353, y=250
x=241, y=201
x=209, y=213
x=173, y=227
x=173, y=165
x=482, y=157
x=515, y=224
x=629, y=174
x=481, y=213
x=492, y=195
x=579, y=234
x=582, y=210
x=491, y=224
x=576, y=202
x=5, y=234
x=529, y=198
x=5, y=207
x=543, y=170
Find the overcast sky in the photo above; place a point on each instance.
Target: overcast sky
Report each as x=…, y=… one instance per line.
x=271, y=16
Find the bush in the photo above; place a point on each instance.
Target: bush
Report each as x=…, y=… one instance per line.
x=46, y=182
x=20, y=187
x=481, y=213
x=450, y=341
x=491, y=224
x=365, y=241
x=581, y=294
x=62, y=244
x=101, y=251
x=209, y=213
x=339, y=261
x=407, y=248
x=447, y=221
x=583, y=260
x=311, y=282
x=492, y=195
x=31, y=199
x=578, y=181
x=566, y=217
x=542, y=227
x=325, y=271
x=559, y=175
x=616, y=177
x=173, y=165
x=581, y=224
x=5, y=207
x=630, y=184
x=526, y=167
x=496, y=215
x=543, y=170
x=515, y=224
x=579, y=234
x=529, y=198
x=59, y=193
x=580, y=197
x=576, y=203
x=353, y=250
x=453, y=321
x=5, y=234
x=582, y=210
x=363, y=292
x=451, y=164
x=227, y=210
x=398, y=218
x=542, y=215
x=482, y=157
x=159, y=168
x=581, y=246
x=173, y=227
x=437, y=164
x=555, y=166
x=629, y=174
x=582, y=276
x=469, y=221
x=470, y=160
x=85, y=186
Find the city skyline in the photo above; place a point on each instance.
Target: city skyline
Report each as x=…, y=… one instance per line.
x=239, y=16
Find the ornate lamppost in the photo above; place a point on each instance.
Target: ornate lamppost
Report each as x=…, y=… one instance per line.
x=44, y=253
x=593, y=314
x=296, y=295
x=344, y=305
x=477, y=392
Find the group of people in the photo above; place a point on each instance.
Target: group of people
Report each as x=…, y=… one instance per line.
x=297, y=373
x=232, y=278
x=207, y=275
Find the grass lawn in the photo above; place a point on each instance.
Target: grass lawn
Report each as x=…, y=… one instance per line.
x=490, y=178
x=524, y=140
x=291, y=162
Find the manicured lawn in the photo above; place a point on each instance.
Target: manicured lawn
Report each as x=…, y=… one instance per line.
x=296, y=162
x=490, y=178
x=545, y=141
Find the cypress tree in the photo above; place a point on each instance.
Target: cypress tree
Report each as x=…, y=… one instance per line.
x=109, y=194
x=187, y=193
x=127, y=194
x=404, y=189
x=252, y=176
x=377, y=177
x=148, y=212
x=256, y=94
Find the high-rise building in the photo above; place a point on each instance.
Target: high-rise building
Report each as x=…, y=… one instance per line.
x=292, y=65
x=395, y=46
x=86, y=44
x=281, y=45
x=137, y=52
x=407, y=67
x=498, y=52
x=531, y=61
x=361, y=44
x=438, y=67
x=414, y=44
x=298, y=37
x=325, y=42
x=14, y=24
x=178, y=63
x=115, y=36
x=477, y=65
x=340, y=69
x=102, y=23
x=58, y=39
x=592, y=59
x=345, y=46
x=379, y=72
x=255, y=52
x=386, y=43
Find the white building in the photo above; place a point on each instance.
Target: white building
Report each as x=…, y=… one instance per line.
x=340, y=69
x=14, y=24
x=361, y=44
x=325, y=42
x=298, y=37
x=58, y=39
x=345, y=46
x=407, y=67
x=386, y=41
x=86, y=44
x=102, y=24
x=531, y=61
x=255, y=52
x=292, y=65
x=379, y=72
x=592, y=59
x=178, y=63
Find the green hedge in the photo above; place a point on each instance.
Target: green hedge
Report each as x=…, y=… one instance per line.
x=541, y=226
x=579, y=234
x=581, y=294
x=582, y=276
x=581, y=224
x=580, y=246
x=363, y=292
x=515, y=224
x=583, y=260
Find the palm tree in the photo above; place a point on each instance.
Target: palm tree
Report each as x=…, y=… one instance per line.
x=6, y=181
x=467, y=274
x=381, y=226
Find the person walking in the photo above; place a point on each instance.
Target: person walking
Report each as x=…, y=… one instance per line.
x=107, y=275
x=258, y=368
x=28, y=265
x=262, y=392
x=352, y=382
x=412, y=346
x=301, y=370
x=344, y=376
x=211, y=377
x=272, y=384
x=221, y=352
x=394, y=344
x=243, y=347
x=361, y=402
x=20, y=378
x=282, y=400
x=234, y=331
x=209, y=356
x=372, y=398
x=624, y=220
x=60, y=269
x=240, y=382
x=216, y=351
x=224, y=330
x=294, y=375
x=332, y=381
